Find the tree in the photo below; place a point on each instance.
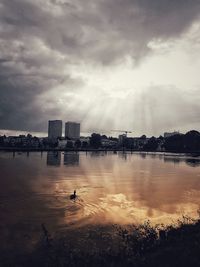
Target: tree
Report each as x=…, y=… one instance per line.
x=95, y=140
x=113, y=139
x=69, y=144
x=1, y=141
x=47, y=142
x=84, y=144
x=77, y=144
x=183, y=143
x=174, y=143
x=192, y=141
x=151, y=145
x=128, y=143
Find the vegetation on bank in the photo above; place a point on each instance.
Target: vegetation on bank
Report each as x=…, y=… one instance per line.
x=183, y=142
x=141, y=246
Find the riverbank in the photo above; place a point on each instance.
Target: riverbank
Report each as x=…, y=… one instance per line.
x=19, y=149
x=141, y=246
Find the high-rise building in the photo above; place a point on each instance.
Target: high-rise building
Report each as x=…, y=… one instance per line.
x=72, y=130
x=55, y=129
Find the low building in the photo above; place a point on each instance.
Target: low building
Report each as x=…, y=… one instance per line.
x=168, y=134
x=122, y=138
x=139, y=142
x=62, y=143
x=107, y=143
x=23, y=141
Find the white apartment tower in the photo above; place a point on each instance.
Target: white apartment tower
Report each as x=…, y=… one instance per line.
x=72, y=130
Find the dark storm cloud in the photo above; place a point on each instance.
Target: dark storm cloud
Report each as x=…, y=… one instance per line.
x=40, y=41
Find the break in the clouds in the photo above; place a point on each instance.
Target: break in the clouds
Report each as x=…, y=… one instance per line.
x=128, y=64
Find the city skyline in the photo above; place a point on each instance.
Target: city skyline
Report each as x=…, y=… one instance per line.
x=57, y=129
x=110, y=133
x=100, y=133
x=106, y=64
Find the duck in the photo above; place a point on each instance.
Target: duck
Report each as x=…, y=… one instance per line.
x=73, y=196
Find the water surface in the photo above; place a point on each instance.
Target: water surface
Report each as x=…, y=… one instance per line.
x=112, y=189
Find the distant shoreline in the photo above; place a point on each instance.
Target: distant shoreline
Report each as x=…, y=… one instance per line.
x=17, y=149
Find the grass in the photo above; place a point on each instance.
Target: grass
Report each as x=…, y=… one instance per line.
x=143, y=245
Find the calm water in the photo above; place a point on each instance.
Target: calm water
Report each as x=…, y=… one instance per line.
x=112, y=188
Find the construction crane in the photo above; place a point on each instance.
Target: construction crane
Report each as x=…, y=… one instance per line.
x=121, y=131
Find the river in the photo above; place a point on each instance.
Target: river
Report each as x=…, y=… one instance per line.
x=120, y=188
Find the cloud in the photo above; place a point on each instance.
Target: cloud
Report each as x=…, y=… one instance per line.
x=153, y=110
x=42, y=43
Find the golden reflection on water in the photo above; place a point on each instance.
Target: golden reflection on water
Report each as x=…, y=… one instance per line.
x=123, y=188
x=112, y=188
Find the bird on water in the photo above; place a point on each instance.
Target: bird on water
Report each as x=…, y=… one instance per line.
x=73, y=196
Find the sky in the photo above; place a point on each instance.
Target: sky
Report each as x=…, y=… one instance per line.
x=108, y=64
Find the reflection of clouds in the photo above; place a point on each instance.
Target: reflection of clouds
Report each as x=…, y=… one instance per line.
x=113, y=190
x=119, y=209
x=154, y=188
x=116, y=208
